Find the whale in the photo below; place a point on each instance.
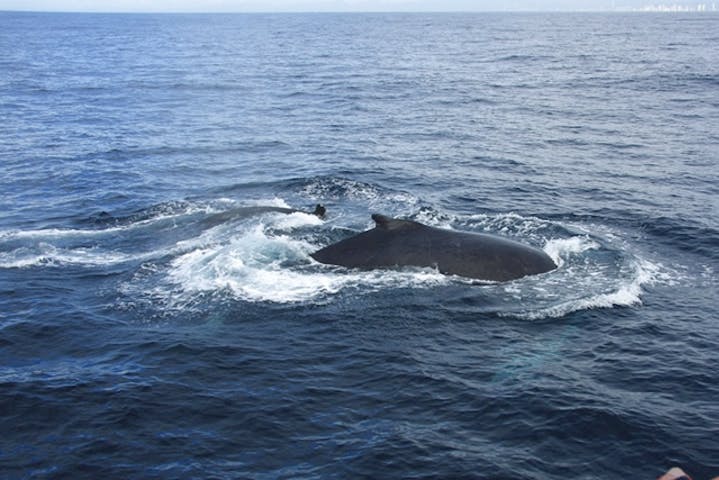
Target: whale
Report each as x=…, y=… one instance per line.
x=396, y=243
x=246, y=212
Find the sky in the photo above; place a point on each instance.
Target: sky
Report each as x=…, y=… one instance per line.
x=318, y=5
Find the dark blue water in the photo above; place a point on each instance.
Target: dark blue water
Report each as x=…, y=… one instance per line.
x=139, y=338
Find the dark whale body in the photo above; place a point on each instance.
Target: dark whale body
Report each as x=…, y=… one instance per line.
x=396, y=242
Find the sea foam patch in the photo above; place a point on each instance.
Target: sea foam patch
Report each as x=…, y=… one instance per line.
x=48, y=255
x=264, y=264
x=625, y=292
x=266, y=258
x=561, y=248
x=87, y=246
x=252, y=265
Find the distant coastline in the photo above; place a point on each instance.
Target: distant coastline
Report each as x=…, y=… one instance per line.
x=651, y=8
x=699, y=7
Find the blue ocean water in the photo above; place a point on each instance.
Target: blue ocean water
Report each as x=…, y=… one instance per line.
x=139, y=338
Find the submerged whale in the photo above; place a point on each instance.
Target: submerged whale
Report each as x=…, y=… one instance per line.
x=394, y=242
x=246, y=212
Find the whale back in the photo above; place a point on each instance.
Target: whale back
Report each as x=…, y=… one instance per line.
x=384, y=222
x=396, y=242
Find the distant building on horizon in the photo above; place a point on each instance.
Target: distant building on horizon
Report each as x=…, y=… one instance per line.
x=698, y=7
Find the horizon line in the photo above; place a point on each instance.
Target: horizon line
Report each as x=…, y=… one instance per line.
x=266, y=12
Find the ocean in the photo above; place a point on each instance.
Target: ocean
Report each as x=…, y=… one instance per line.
x=151, y=328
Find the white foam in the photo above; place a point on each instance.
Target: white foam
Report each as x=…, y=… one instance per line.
x=707, y=272
x=19, y=260
x=296, y=220
x=250, y=266
x=272, y=202
x=57, y=233
x=429, y=217
x=45, y=254
x=341, y=188
x=561, y=248
x=258, y=266
x=49, y=255
x=165, y=214
x=509, y=224
x=64, y=233
x=628, y=293
x=263, y=262
x=41, y=247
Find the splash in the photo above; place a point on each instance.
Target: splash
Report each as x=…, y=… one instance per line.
x=252, y=267
x=561, y=248
x=625, y=292
x=261, y=265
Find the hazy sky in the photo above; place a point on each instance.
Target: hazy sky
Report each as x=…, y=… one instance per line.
x=316, y=5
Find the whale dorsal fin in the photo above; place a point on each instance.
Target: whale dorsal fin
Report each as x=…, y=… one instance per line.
x=386, y=223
